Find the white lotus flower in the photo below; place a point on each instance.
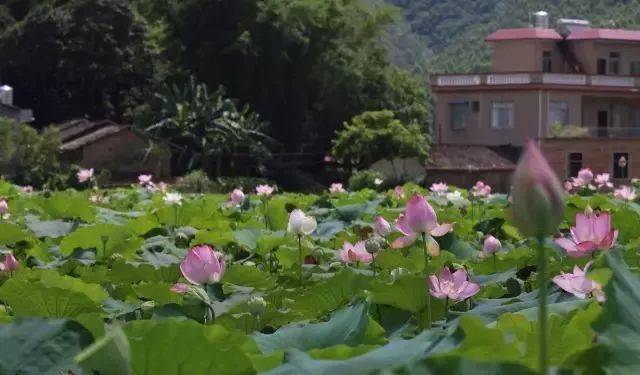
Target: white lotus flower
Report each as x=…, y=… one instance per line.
x=300, y=223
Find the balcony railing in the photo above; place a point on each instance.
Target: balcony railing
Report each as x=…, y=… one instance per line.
x=572, y=131
x=502, y=79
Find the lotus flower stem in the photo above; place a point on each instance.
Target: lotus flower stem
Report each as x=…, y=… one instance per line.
x=175, y=216
x=426, y=272
x=373, y=266
x=542, y=307
x=300, y=260
x=446, y=308
x=495, y=264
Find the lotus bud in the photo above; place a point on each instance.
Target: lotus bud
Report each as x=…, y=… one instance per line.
x=148, y=305
x=10, y=263
x=538, y=205
x=256, y=305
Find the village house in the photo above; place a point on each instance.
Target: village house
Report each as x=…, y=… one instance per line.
x=574, y=89
x=120, y=149
x=9, y=110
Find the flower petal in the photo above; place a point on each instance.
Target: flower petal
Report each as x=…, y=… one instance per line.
x=404, y=241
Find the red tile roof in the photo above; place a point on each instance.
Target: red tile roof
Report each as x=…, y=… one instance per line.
x=525, y=33
x=467, y=158
x=609, y=34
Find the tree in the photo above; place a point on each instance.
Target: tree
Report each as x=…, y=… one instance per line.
x=377, y=135
x=305, y=65
x=75, y=58
x=203, y=126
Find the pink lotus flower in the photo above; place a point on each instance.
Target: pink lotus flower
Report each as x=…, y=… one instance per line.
x=180, y=288
x=398, y=192
x=418, y=218
x=439, y=188
x=145, y=179
x=328, y=159
x=383, y=228
x=84, y=175
x=491, y=245
x=336, y=188
x=602, y=181
x=538, y=198
x=264, y=190
x=355, y=253
x=4, y=207
x=578, y=284
x=592, y=232
x=480, y=189
x=585, y=175
x=568, y=186
x=203, y=265
x=9, y=264
x=625, y=193
x=162, y=187
x=237, y=197
x=28, y=189
x=456, y=286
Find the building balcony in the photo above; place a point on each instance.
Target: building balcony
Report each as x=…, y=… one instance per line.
x=571, y=131
x=498, y=80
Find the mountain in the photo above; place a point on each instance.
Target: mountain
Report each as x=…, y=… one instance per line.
x=453, y=31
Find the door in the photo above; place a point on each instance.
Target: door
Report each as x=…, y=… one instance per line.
x=603, y=123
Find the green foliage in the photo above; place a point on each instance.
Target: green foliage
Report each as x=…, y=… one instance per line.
x=101, y=63
x=365, y=179
x=28, y=157
x=205, y=126
x=372, y=136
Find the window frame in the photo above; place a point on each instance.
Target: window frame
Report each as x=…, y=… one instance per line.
x=571, y=172
x=452, y=106
x=566, y=112
x=547, y=61
x=614, y=63
x=634, y=68
x=511, y=118
x=624, y=171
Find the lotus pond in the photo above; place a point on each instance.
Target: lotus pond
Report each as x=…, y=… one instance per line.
x=139, y=281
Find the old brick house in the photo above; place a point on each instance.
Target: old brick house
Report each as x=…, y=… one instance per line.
x=573, y=88
x=105, y=145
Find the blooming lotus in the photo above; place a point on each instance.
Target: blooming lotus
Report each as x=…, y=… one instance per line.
x=480, y=189
x=173, y=198
x=203, y=265
x=455, y=197
x=585, y=175
x=145, y=179
x=537, y=196
x=355, y=253
x=439, y=188
x=328, y=159
x=491, y=245
x=578, y=284
x=398, y=192
x=28, y=189
x=9, y=264
x=592, y=232
x=336, y=188
x=84, y=175
x=236, y=197
x=264, y=190
x=383, y=228
x=455, y=287
x=418, y=218
x=4, y=207
x=625, y=193
x=602, y=181
x=300, y=223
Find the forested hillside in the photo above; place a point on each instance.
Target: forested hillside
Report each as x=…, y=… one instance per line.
x=454, y=30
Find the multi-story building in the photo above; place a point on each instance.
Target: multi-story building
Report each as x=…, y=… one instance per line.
x=575, y=89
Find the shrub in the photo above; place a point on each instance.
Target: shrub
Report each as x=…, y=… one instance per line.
x=194, y=182
x=26, y=156
x=372, y=136
x=366, y=179
x=198, y=182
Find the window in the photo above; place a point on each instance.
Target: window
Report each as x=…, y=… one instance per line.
x=634, y=68
x=558, y=113
x=501, y=115
x=459, y=114
x=476, y=106
x=546, y=61
x=621, y=165
x=575, y=164
x=614, y=63
x=602, y=66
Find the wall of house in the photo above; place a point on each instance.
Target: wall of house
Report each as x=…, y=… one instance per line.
x=524, y=56
x=530, y=114
x=589, y=51
x=123, y=155
x=597, y=154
